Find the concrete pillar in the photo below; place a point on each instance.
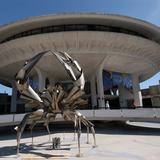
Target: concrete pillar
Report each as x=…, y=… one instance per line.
x=122, y=96
x=52, y=81
x=136, y=91
x=13, y=99
x=41, y=79
x=93, y=92
x=100, y=89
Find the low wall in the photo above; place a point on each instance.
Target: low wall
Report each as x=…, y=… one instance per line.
x=139, y=114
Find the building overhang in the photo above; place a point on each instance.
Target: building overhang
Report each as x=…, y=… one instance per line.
x=117, y=51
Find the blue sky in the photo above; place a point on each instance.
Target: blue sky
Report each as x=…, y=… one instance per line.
x=13, y=10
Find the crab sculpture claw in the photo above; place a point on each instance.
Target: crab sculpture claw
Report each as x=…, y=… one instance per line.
x=72, y=67
x=23, y=74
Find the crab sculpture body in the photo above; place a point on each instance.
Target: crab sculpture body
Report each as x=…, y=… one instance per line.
x=53, y=100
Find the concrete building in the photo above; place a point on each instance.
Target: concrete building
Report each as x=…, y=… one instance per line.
x=99, y=42
x=151, y=96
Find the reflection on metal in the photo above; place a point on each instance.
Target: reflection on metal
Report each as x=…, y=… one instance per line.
x=53, y=100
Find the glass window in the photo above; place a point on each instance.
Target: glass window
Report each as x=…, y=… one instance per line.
x=74, y=27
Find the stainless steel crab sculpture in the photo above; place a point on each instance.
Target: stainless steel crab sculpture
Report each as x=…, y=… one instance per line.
x=53, y=100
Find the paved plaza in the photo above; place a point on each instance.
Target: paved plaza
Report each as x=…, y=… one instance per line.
x=115, y=141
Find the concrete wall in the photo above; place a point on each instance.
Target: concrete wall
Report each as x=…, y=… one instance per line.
x=140, y=114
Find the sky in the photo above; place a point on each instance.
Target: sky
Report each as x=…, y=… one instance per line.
x=14, y=10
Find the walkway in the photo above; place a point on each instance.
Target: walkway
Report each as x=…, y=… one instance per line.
x=139, y=114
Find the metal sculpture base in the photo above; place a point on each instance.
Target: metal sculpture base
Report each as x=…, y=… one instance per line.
x=56, y=143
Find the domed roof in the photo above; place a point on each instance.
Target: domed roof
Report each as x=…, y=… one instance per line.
x=120, y=43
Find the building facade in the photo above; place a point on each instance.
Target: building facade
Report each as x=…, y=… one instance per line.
x=114, y=51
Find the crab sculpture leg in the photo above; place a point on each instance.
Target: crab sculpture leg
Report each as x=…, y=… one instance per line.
x=76, y=126
x=34, y=115
x=89, y=125
x=31, y=127
x=74, y=97
x=75, y=72
x=43, y=102
x=86, y=123
x=79, y=118
x=29, y=94
x=46, y=124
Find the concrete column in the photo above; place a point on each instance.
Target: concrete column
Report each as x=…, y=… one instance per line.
x=93, y=92
x=100, y=89
x=41, y=79
x=122, y=96
x=52, y=81
x=13, y=99
x=136, y=91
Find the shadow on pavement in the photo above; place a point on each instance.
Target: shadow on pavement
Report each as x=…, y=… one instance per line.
x=114, y=128
x=8, y=133
x=125, y=129
x=28, y=149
